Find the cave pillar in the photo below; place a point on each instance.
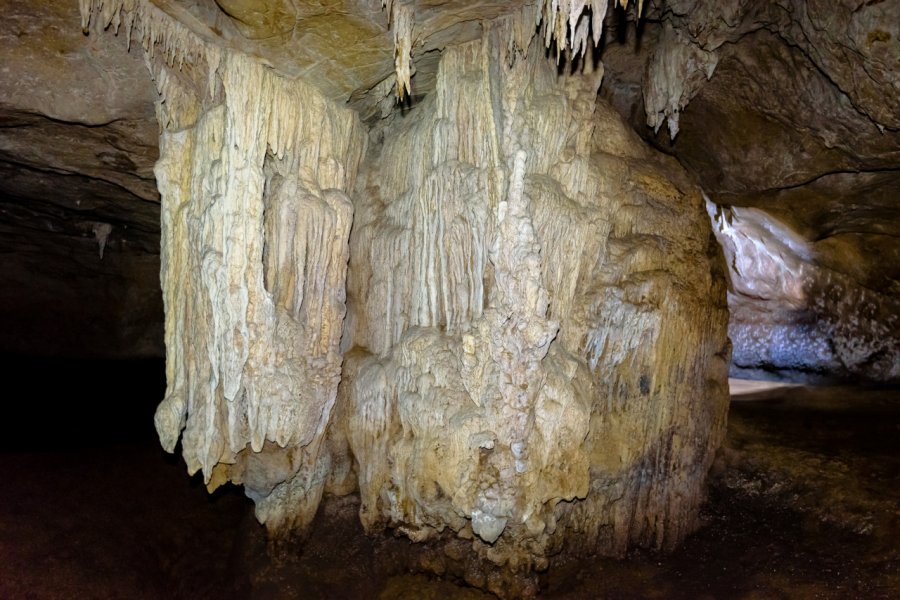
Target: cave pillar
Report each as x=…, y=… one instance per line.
x=256, y=220
x=537, y=311
x=528, y=349
x=255, y=224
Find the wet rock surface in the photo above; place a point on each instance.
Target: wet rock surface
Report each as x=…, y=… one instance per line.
x=802, y=505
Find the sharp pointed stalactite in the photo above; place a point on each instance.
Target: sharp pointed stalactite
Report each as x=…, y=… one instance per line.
x=676, y=72
x=574, y=26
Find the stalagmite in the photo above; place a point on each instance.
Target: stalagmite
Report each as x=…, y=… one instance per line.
x=540, y=349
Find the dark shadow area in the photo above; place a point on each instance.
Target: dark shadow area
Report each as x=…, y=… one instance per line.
x=90, y=505
x=802, y=504
x=67, y=404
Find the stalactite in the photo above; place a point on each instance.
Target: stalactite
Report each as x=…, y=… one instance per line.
x=101, y=234
x=676, y=72
x=254, y=172
x=524, y=277
x=402, y=25
x=158, y=31
x=570, y=24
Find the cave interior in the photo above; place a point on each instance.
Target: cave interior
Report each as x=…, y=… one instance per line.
x=450, y=298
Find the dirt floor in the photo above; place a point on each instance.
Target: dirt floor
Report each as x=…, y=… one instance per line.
x=804, y=503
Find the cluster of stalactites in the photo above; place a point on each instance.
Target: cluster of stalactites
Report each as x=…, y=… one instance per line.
x=156, y=28
x=569, y=23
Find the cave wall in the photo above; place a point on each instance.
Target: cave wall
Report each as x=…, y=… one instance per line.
x=791, y=142
x=79, y=212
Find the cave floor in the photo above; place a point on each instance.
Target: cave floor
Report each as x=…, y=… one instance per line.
x=804, y=503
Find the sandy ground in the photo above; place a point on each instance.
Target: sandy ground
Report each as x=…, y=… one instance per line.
x=804, y=503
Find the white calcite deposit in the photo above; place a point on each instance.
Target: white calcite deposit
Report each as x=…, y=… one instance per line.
x=528, y=347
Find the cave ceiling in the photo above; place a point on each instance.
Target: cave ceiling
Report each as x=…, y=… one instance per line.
x=787, y=105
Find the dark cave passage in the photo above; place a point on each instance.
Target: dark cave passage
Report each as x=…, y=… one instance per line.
x=70, y=403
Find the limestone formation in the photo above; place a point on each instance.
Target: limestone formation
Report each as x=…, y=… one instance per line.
x=408, y=251
x=253, y=174
x=792, y=314
x=535, y=347
x=675, y=73
x=525, y=280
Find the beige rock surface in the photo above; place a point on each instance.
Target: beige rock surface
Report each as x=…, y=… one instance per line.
x=516, y=405
x=522, y=278
x=255, y=227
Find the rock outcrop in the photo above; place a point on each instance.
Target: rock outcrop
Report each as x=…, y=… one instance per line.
x=791, y=315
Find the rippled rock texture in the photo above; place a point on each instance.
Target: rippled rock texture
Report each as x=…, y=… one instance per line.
x=526, y=281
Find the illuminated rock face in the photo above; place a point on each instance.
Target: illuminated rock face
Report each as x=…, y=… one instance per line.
x=539, y=334
x=256, y=220
x=534, y=347
x=790, y=313
x=254, y=174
